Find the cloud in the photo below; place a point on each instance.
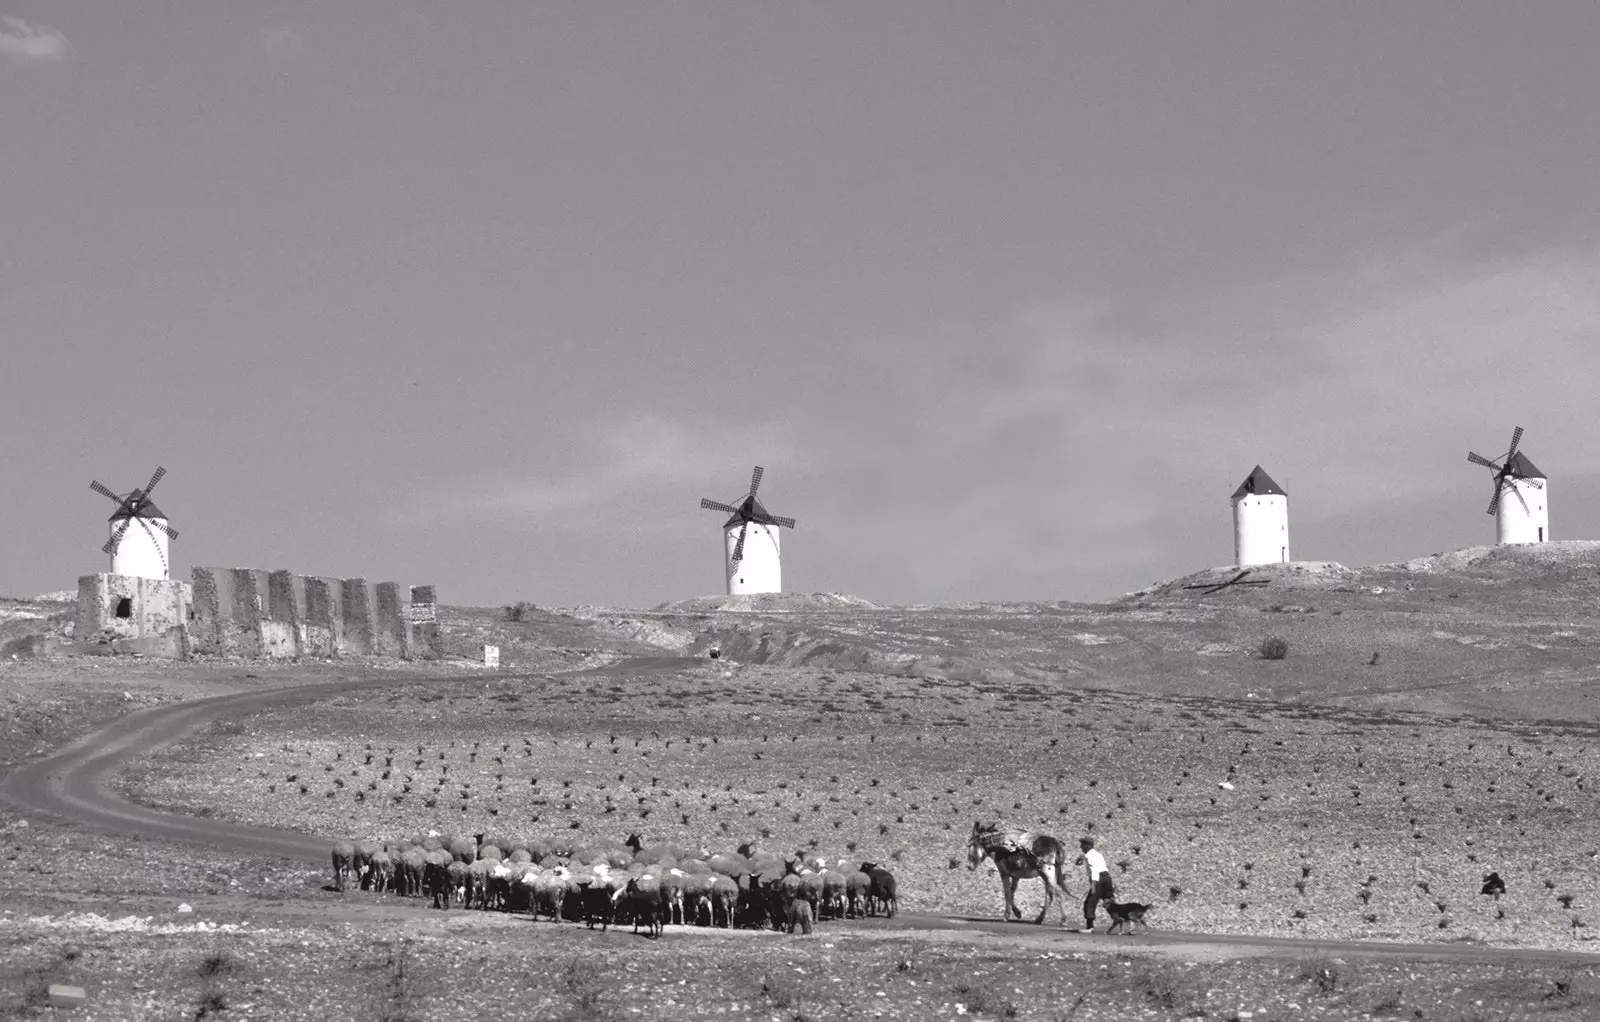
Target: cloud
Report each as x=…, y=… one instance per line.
x=1082, y=450
x=280, y=43
x=630, y=467
x=23, y=43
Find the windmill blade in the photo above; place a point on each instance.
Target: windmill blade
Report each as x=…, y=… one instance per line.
x=712, y=505
x=1478, y=459
x=1516, y=437
x=1235, y=579
x=101, y=489
x=1494, y=502
x=156, y=478
x=755, y=479
x=787, y=523
x=738, y=548
x=1537, y=484
x=170, y=531
x=116, y=537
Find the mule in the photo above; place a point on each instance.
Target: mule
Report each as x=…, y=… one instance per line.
x=1021, y=855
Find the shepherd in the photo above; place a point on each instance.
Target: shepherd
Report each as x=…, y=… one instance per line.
x=1021, y=855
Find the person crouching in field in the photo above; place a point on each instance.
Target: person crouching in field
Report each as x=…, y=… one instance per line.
x=1100, y=887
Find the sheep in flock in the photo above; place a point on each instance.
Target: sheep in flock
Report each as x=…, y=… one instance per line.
x=361, y=861
x=799, y=916
x=436, y=878
x=857, y=885
x=477, y=884
x=833, y=895
x=546, y=892
x=604, y=881
x=643, y=899
x=413, y=864
x=729, y=865
x=382, y=871
x=813, y=890
x=500, y=875
x=459, y=876
x=697, y=898
x=344, y=853
x=724, y=899
x=882, y=895
x=672, y=885
x=597, y=901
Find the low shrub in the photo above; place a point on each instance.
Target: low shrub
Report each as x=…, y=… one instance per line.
x=1274, y=648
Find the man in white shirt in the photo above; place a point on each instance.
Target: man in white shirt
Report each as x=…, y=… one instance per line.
x=1100, y=888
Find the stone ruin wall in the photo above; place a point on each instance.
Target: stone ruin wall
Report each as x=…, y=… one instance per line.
x=131, y=614
x=254, y=613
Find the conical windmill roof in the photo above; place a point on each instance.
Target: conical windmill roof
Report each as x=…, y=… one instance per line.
x=147, y=510
x=750, y=510
x=1258, y=483
x=1519, y=467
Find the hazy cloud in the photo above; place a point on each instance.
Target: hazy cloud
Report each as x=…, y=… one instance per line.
x=24, y=43
x=1081, y=462
x=633, y=465
x=280, y=43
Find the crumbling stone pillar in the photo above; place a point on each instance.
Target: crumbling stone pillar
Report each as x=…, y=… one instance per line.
x=324, y=617
x=358, y=623
x=391, y=632
x=281, y=624
x=213, y=595
x=425, y=641
x=241, y=628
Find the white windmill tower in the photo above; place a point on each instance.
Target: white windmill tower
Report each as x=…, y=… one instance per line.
x=1260, y=521
x=138, y=550
x=750, y=543
x=1528, y=520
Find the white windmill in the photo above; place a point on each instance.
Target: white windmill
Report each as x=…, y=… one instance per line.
x=752, y=561
x=1528, y=520
x=141, y=550
x=1260, y=521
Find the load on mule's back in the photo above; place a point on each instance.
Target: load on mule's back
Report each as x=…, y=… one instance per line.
x=1021, y=855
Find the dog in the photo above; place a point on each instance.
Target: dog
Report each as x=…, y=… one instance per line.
x=1124, y=914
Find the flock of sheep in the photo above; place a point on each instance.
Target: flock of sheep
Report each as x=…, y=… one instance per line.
x=609, y=882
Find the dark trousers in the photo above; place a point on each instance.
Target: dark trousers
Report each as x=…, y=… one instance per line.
x=1100, y=890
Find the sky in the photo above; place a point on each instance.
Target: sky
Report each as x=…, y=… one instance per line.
x=1006, y=298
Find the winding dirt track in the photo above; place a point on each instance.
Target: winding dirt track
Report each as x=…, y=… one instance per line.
x=71, y=785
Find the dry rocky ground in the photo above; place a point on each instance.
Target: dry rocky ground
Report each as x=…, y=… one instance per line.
x=1431, y=722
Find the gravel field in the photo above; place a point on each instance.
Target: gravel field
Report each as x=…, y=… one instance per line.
x=476, y=965
x=1330, y=796
x=1230, y=817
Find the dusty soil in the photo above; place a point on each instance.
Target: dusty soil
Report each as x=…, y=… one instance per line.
x=1430, y=722
x=477, y=965
x=1232, y=818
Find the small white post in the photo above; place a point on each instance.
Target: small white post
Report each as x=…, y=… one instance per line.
x=491, y=656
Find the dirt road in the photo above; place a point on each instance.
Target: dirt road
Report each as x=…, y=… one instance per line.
x=72, y=785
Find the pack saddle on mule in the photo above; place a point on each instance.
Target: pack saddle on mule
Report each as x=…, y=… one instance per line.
x=1021, y=855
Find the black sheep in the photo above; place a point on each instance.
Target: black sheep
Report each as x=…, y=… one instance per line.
x=881, y=892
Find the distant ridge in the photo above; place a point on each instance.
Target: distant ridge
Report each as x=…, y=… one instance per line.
x=766, y=603
x=1315, y=575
